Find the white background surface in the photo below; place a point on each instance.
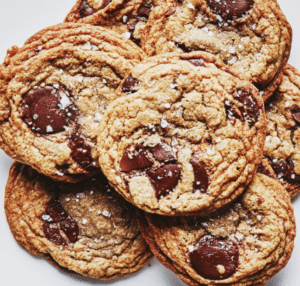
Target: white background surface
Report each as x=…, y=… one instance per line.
x=19, y=19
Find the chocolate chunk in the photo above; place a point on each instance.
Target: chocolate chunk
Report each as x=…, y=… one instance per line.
x=135, y=160
x=55, y=210
x=215, y=258
x=262, y=170
x=164, y=179
x=163, y=153
x=230, y=9
x=129, y=84
x=251, y=109
x=80, y=151
x=295, y=110
x=285, y=170
x=201, y=178
x=70, y=228
x=47, y=110
x=144, y=10
x=197, y=62
x=104, y=4
x=170, y=12
x=85, y=10
x=184, y=47
x=52, y=233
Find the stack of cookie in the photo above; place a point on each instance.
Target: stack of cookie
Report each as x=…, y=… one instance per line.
x=155, y=127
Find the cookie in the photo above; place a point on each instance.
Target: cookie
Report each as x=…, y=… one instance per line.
x=252, y=36
x=185, y=135
x=54, y=92
x=127, y=18
x=86, y=227
x=282, y=145
x=244, y=244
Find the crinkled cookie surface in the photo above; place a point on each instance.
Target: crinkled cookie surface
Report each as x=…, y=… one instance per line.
x=53, y=92
x=252, y=36
x=86, y=227
x=185, y=136
x=282, y=145
x=244, y=244
x=127, y=18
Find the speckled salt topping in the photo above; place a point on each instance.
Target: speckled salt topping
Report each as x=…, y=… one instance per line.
x=188, y=142
x=252, y=36
x=251, y=240
x=54, y=109
x=85, y=227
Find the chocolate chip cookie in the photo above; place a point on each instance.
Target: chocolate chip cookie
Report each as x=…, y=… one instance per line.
x=54, y=92
x=244, y=244
x=86, y=227
x=127, y=18
x=185, y=136
x=282, y=145
x=252, y=36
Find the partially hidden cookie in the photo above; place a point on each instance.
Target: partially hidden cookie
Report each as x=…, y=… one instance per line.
x=244, y=244
x=127, y=18
x=282, y=147
x=252, y=36
x=54, y=92
x=86, y=227
x=185, y=135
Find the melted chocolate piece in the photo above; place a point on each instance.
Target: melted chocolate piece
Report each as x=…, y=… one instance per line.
x=262, y=170
x=80, y=151
x=197, y=62
x=56, y=212
x=136, y=160
x=129, y=84
x=230, y=9
x=170, y=12
x=45, y=112
x=52, y=233
x=295, y=110
x=163, y=153
x=144, y=10
x=86, y=10
x=184, y=47
x=201, y=181
x=285, y=170
x=164, y=179
x=70, y=228
x=251, y=109
x=215, y=258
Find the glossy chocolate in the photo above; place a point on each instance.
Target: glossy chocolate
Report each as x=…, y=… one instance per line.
x=201, y=181
x=230, y=9
x=284, y=170
x=80, y=151
x=164, y=179
x=138, y=159
x=215, y=258
x=48, y=110
x=163, y=153
x=70, y=227
x=129, y=84
x=52, y=233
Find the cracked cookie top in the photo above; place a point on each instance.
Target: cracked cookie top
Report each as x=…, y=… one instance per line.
x=244, y=244
x=281, y=151
x=252, y=36
x=56, y=88
x=185, y=135
x=86, y=227
x=127, y=18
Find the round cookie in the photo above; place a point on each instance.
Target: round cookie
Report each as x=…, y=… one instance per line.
x=185, y=136
x=54, y=92
x=282, y=147
x=86, y=227
x=127, y=18
x=244, y=244
x=252, y=36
